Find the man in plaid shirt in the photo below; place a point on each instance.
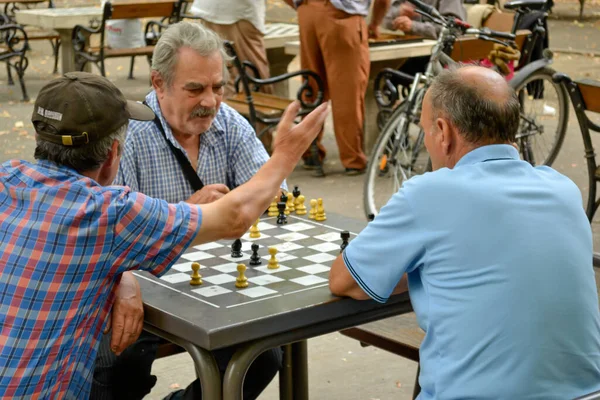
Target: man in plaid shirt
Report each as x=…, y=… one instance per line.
x=67, y=239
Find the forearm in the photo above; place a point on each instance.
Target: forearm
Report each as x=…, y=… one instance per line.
x=425, y=29
x=231, y=216
x=379, y=10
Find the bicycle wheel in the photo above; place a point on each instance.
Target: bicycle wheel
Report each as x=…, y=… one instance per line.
x=398, y=155
x=544, y=117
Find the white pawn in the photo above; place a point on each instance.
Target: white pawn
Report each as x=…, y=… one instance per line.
x=241, y=281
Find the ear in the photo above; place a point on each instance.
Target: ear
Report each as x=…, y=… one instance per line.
x=109, y=167
x=446, y=134
x=158, y=82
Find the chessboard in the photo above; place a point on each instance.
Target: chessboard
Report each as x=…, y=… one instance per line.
x=306, y=248
x=385, y=39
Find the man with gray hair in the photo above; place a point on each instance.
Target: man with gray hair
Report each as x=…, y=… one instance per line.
x=68, y=237
x=496, y=255
x=197, y=150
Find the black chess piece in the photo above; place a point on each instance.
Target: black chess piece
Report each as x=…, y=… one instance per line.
x=283, y=198
x=236, y=249
x=255, y=258
x=345, y=235
x=281, y=218
x=296, y=192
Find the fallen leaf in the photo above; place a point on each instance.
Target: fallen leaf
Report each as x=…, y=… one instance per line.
x=174, y=386
x=343, y=359
x=23, y=133
x=5, y=114
x=3, y=133
x=19, y=124
x=573, y=165
x=120, y=68
x=398, y=384
x=11, y=152
x=349, y=352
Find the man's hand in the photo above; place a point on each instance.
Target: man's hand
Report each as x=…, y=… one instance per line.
x=373, y=31
x=127, y=316
x=407, y=10
x=403, y=23
x=208, y=194
x=291, y=141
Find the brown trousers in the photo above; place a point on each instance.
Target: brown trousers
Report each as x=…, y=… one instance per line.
x=335, y=45
x=249, y=45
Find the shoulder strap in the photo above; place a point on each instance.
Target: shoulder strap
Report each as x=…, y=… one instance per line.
x=191, y=175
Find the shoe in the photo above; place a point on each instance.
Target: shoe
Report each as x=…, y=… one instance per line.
x=354, y=171
x=310, y=164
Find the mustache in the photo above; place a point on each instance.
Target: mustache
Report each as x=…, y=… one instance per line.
x=204, y=112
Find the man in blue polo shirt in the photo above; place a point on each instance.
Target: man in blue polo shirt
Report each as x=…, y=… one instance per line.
x=497, y=255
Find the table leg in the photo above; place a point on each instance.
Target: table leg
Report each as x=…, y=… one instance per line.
x=66, y=50
x=233, y=381
x=286, y=383
x=300, y=369
x=206, y=366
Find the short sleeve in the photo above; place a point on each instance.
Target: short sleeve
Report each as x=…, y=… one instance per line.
x=388, y=247
x=150, y=234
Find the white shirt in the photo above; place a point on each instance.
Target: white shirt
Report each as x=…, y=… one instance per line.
x=227, y=12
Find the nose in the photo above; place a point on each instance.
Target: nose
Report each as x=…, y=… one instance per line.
x=208, y=99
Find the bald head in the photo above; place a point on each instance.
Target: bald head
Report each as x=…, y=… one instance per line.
x=478, y=102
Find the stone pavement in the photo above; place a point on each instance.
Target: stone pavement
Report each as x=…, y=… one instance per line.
x=339, y=367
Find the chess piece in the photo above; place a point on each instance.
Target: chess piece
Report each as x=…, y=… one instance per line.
x=313, y=209
x=281, y=218
x=255, y=258
x=236, y=249
x=254, y=232
x=345, y=235
x=196, y=277
x=296, y=194
x=273, y=208
x=284, y=199
x=320, y=216
x=290, y=204
x=300, y=207
x=273, y=263
x=241, y=281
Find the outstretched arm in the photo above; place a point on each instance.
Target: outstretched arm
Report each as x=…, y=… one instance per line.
x=231, y=216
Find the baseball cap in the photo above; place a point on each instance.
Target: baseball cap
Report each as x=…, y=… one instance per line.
x=79, y=108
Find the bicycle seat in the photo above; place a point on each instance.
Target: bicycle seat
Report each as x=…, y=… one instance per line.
x=530, y=4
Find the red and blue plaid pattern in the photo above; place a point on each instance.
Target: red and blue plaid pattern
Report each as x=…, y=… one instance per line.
x=64, y=241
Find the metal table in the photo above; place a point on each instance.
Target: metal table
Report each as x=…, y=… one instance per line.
x=254, y=326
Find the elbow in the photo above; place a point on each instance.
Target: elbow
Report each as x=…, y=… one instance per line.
x=335, y=287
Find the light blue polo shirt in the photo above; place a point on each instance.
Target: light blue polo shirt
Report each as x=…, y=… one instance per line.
x=499, y=261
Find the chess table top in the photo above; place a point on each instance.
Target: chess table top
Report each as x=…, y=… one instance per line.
x=217, y=314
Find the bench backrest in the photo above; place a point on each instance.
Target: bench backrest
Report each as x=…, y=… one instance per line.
x=470, y=48
x=590, y=92
x=141, y=9
x=500, y=21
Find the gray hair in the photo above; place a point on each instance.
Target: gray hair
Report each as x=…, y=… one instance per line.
x=186, y=34
x=82, y=158
x=479, y=117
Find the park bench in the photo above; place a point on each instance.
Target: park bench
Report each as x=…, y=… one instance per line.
x=13, y=46
x=264, y=111
x=585, y=96
x=168, y=10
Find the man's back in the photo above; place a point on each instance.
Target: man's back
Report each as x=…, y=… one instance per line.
x=500, y=276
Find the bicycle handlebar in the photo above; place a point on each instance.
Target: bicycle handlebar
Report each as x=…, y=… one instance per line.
x=431, y=10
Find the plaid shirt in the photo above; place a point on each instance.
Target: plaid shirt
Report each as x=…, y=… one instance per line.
x=229, y=153
x=65, y=240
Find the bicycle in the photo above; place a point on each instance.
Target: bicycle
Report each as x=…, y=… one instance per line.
x=399, y=150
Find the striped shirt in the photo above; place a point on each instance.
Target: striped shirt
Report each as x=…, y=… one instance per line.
x=65, y=241
x=229, y=153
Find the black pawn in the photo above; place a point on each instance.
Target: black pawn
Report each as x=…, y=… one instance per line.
x=296, y=192
x=255, y=258
x=236, y=249
x=345, y=235
x=283, y=198
x=281, y=218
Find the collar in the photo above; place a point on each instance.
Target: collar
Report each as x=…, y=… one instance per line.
x=489, y=153
x=210, y=137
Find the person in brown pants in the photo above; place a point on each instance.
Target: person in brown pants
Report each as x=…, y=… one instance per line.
x=334, y=44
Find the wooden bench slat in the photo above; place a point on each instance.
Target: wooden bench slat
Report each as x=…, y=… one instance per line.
x=265, y=100
x=35, y=33
x=590, y=91
x=243, y=108
x=136, y=51
x=142, y=10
